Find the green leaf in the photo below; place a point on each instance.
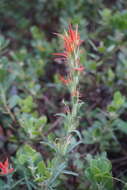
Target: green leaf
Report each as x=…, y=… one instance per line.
x=119, y=20
x=57, y=171
x=27, y=104
x=27, y=154
x=117, y=103
x=36, y=32
x=99, y=171
x=121, y=125
x=13, y=101
x=69, y=173
x=41, y=168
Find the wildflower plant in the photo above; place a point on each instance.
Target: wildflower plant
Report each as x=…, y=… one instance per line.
x=72, y=42
x=67, y=142
x=71, y=54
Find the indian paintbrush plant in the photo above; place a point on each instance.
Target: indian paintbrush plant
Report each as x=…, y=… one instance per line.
x=67, y=142
x=72, y=42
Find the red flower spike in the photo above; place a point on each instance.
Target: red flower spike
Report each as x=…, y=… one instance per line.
x=81, y=68
x=71, y=40
x=5, y=168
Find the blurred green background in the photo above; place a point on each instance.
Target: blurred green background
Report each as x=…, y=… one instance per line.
x=31, y=93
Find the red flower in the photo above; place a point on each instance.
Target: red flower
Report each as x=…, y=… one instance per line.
x=71, y=42
x=64, y=81
x=5, y=168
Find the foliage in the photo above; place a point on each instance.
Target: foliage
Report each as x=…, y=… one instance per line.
x=52, y=140
x=99, y=172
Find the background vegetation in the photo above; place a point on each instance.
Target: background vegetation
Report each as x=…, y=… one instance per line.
x=31, y=93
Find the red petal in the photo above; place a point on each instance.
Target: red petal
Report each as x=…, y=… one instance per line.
x=11, y=170
x=79, y=68
x=6, y=163
x=71, y=33
x=1, y=165
x=60, y=54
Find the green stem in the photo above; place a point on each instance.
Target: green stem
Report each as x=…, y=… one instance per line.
x=6, y=106
x=8, y=182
